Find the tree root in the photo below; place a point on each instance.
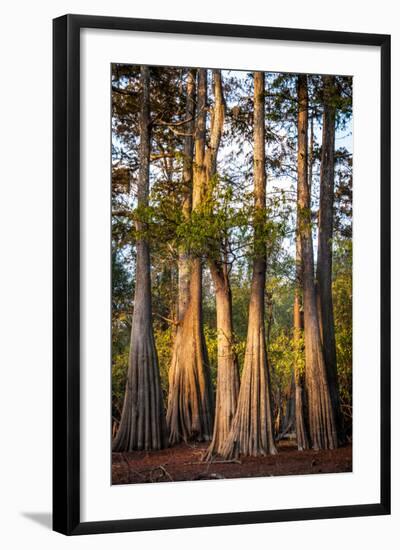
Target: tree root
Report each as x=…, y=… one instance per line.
x=163, y=470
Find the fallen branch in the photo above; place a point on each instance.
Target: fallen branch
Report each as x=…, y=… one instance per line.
x=232, y=461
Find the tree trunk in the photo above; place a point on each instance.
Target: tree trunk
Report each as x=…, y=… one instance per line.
x=311, y=155
x=187, y=176
x=190, y=399
x=142, y=425
x=228, y=368
x=321, y=418
x=325, y=235
x=286, y=417
x=298, y=323
x=252, y=430
x=298, y=328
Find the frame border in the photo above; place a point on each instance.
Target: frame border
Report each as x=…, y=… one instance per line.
x=66, y=273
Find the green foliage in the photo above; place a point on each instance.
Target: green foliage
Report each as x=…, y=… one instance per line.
x=342, y=303
x=122, y=292
x=281, y=352
x=211, y=337
x=298, y=354
x=119, y=371
x=282, y=359
x=164, y=345
x=240, y=304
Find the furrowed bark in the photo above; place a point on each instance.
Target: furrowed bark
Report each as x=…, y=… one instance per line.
x=298, y=331
x=325, y=236
x=187, y=176
x=190, y=399
x=252, y=428
x=322, y=424
x=142, y=425
x=228, y=368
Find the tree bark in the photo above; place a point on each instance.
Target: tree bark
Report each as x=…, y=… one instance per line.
x=252, y=429
x=142, y=425
x=298, y=332
x=321, y=418
x=190, y=399
x=187, y=177
x=287, y=412
x=298, y=323
x=228, y=368
x=325, y=236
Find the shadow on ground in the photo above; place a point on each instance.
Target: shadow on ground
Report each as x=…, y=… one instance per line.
x=42, y=518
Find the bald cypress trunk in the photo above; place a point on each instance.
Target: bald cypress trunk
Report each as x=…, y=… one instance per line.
x=252, y=429
x=298, y=333
x=298, y=323
x=325, y=236
x=228, y=369
x=321, y=417
x=190, y=400
x=142, y=425
x=187, y=177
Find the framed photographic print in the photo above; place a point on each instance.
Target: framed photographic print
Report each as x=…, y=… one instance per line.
x=221, y=274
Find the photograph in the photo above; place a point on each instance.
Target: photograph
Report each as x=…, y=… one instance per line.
x=231, y=221
x=205, y=258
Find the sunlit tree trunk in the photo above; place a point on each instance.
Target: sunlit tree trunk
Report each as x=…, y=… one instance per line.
x=325, y=236
x=298, y=328
x=298, y=323
x=190, y=400
x=252, y=429
x=322, y=424
x=142, y=425
x=227, y=369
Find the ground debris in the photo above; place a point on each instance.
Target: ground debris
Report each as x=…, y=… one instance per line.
x=181, y=463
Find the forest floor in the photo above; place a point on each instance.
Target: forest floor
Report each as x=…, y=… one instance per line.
x=183, y=463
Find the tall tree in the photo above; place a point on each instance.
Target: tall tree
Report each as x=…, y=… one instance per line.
x=252, y=431
x=325, y=237
x=322, y=423
x=190, y=399
x=298, y=344
x=142, y=423
x=187, y=176
x=228, y=369
x=298, y=319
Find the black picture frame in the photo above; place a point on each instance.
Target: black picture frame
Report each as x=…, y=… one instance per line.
x=66, y=273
